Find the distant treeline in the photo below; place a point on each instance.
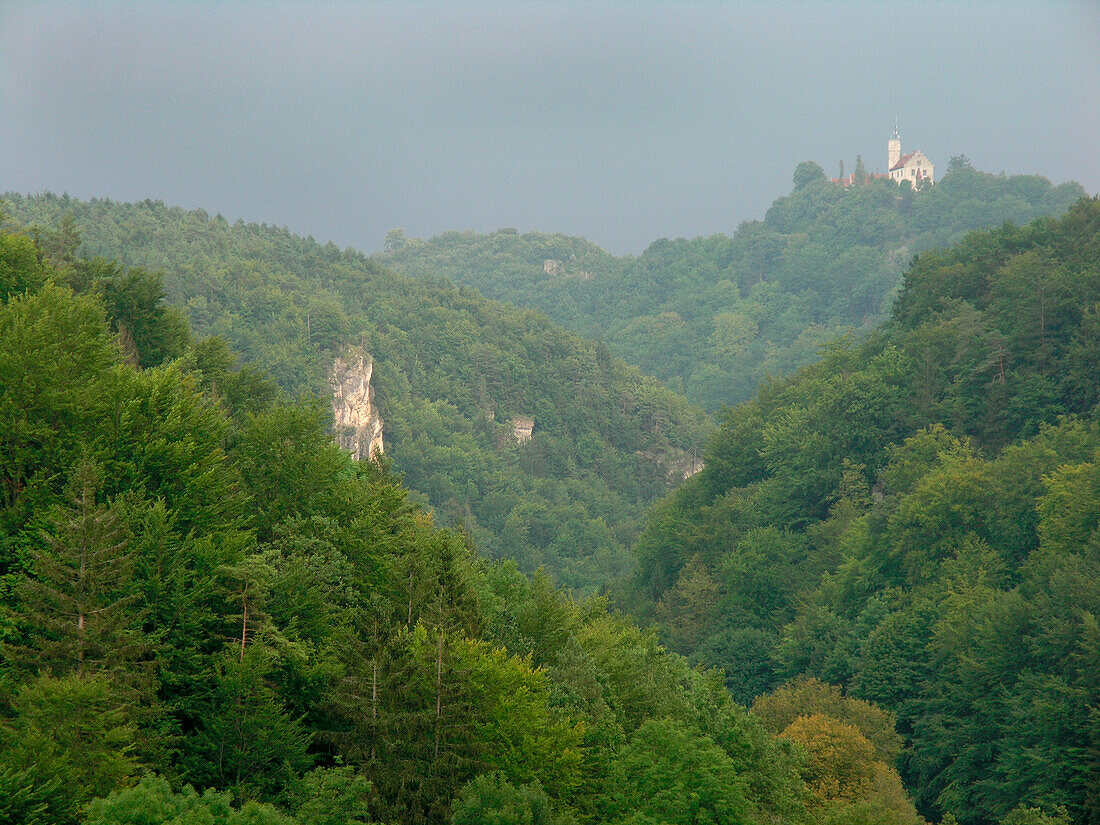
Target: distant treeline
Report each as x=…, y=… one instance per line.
x=712, y=317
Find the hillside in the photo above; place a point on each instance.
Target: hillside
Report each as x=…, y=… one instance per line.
x=892, y=553
x=914, y=518
x=712, y=317
x=452, y=372
x=210, y=614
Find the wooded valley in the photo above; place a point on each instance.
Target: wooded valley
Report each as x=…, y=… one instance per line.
x=876, y=603
x=713, y=317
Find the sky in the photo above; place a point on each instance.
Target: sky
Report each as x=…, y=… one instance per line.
x=622, y=122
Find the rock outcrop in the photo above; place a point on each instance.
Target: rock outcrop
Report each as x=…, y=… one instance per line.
x=522, y=427
x=356, y=424
x=677, y=464
x=556, y=269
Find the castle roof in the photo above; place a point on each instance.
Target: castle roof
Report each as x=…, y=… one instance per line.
x=904, y=159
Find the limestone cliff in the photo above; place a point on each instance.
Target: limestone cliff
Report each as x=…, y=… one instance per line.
x=356, y=424
x=678, y=464
x=522, y=427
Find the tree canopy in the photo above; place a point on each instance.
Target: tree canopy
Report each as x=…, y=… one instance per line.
x=210, y=613
x=912, y=522
x=453, y=372
x=713, y=317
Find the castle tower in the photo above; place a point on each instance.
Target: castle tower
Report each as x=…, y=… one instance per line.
x=893, y=148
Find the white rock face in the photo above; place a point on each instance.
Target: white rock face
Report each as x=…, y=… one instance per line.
x=356, y=424
x=522, y=427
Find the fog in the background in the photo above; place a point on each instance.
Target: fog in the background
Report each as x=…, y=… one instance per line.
x=622, y=122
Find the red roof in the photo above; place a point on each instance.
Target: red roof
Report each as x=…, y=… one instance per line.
x=902, y=161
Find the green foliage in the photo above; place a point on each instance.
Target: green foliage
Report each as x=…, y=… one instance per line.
x=492, y=800
x=913, y=519
x=809, y=172
x=77, y=606
x=334, y=796
x=675, y=775
x=67, y=741
x=1035, y=816
x=745, y=657
x=152, y=802
x=289, y=465
x=198, y=585
x=209, y=592
x=248, y=741
x=714, y=317
x=453, y=372
x=150, y=332
x=243, y=390
x=55, y=354
x=20, y=269
x=24, y=799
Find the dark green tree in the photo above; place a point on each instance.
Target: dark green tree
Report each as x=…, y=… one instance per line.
x=861, y=175
x=20, y=269
x=958, y=162
x=78, y=607
x=806, y=173
x=248, y=741
x=150, y=331
x=66, y=741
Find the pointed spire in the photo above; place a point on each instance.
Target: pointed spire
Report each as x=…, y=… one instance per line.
x=895, y=135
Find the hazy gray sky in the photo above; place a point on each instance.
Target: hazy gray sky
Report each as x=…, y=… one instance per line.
x=622, y=122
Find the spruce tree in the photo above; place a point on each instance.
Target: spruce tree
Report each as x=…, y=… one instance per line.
x=77, y=609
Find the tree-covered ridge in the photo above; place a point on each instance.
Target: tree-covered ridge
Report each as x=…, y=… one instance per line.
x=712, y=317
x=915, y=518
x=210, y=614
x=452, y=370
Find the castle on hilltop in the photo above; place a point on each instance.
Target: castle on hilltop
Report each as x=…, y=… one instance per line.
x=914, y=167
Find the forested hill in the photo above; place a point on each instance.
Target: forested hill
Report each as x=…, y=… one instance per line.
x=711, y=317
x=916, y=518
x=211, y=615
x=452, y=369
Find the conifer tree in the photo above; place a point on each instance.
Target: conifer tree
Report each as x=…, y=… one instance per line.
x=861, y=171
x=67, y=741
x=77, y=608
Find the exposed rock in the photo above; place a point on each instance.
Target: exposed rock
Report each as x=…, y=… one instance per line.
x=678, y=464
x=556, y=269
x=356, y=424
x=687, y=466
x=522, y=427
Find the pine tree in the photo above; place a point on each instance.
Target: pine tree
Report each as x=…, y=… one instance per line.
x=77, y=609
